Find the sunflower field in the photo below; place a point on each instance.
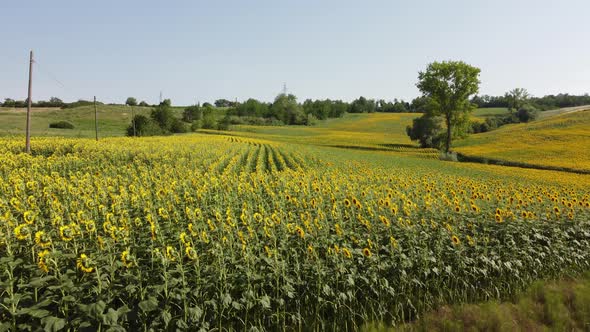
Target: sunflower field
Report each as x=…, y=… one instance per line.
x=212, y=232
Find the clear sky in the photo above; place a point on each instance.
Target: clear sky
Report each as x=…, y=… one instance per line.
x=338, y=49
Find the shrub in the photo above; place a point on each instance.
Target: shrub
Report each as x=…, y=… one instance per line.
x=144, y=126
x=178, y=127
x=61, y=125
x=527, y=113
x=196, y=125
x=428, y=130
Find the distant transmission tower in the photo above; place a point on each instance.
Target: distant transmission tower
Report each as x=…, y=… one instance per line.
x=285, y=89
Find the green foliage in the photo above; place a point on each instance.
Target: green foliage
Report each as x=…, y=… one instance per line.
x=428, y=130
x=131, y=101
x=449, y=85
x=527, y=113
x=224, y=103
x=144, y=126
x=192, y=113
x=166, y=102
x=286, y=109
x=250, y=108
x=362, y=105
x=516, y=98
x=178, y=127
x=323, y=109
x=397, y=106
x=61, y=125
x=557, y=306
x=163, y=116
x=143, y=104
x=209, y=121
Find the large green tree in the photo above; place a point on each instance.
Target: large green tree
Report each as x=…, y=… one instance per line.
x=449, y=86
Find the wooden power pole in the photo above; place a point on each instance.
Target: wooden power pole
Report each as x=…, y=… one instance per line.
x=95, y=120
x=30, y=100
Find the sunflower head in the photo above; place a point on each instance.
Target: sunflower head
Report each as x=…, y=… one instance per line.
x=84, y=264
x=455, y=240
x=367, y=252
x=42, y=239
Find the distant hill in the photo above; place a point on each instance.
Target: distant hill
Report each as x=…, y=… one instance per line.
x=559, y=138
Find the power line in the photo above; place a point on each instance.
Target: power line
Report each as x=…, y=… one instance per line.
x=49, y=74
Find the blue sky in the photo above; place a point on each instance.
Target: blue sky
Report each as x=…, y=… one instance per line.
x=205, y=50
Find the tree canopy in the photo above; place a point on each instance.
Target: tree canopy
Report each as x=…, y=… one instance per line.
x=449, y=85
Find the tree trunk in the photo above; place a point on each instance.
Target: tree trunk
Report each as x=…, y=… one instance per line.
x=448, y=147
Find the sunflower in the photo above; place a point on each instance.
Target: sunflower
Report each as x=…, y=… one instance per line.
x=347, y=202
x=170, y=253
x=41, y=262
x=42, y=240
x=83, y=263
x=300, y=232
x=257, y=217
x=310, y=249
x=556, y=209
x=268, y=251
x=393, y=242
x=22, y=232
x=384, y=220
x=184, y=240
x=346, y=253
x=191, y=253
x=367, y=252
x=90, y=226
x=29, y=217
x=498, y=218
x=338, y=229
x=127, y=259
x=204, y=237
x=66, y=233
x=455, y=240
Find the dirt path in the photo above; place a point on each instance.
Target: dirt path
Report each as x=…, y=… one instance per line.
x=562, y=111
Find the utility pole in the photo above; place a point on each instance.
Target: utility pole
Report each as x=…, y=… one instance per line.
x=28, y=130
x=95, y=119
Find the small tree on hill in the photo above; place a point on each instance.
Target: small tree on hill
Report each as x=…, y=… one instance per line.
x=516, y=98
x=131, y=101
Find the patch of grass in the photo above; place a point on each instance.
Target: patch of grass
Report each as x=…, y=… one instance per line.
x=112, y=120
x=555, y=306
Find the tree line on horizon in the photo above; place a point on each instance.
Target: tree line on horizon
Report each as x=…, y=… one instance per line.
x=359, y=105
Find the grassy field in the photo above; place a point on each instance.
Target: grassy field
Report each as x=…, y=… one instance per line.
x=545, y=306
x=560, y=140
x=376, y=130
x=112, y=120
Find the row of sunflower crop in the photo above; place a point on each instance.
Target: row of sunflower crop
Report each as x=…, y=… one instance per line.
x=203, y=232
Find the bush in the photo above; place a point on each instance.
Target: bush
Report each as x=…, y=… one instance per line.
x=428, y=130
x=208, y=122
x=527, y=113
x=61, y=125
x=144, y=126
x=178, y=127
x=196, y=125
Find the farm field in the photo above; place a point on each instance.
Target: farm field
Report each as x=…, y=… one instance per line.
x=560, y=140
x=217, y=231
x=112, y=120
